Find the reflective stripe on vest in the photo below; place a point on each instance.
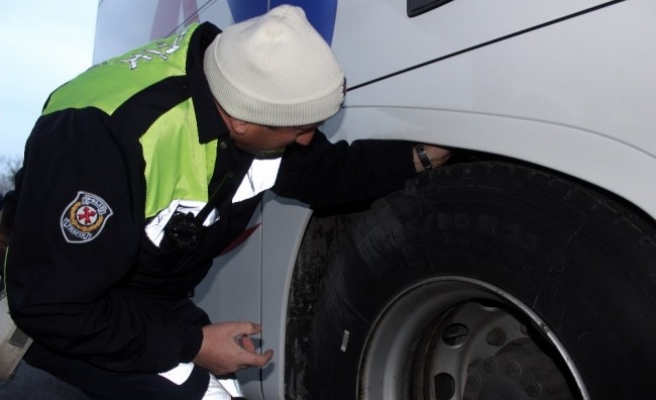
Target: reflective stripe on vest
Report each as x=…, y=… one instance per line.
x=260, y=177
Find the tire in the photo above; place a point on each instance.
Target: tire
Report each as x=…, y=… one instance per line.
x=485, y=281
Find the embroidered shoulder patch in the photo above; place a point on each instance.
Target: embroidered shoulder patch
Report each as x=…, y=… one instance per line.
x=84, y=218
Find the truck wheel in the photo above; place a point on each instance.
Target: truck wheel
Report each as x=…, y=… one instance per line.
x=488, y=281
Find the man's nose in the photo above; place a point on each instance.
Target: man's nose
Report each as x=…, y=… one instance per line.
x=305, y=138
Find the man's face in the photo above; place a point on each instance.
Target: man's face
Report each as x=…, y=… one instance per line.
x=268, y=141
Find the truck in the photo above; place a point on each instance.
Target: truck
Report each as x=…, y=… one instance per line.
x=524, y=268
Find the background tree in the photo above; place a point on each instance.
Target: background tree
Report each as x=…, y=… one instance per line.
x=8, y=168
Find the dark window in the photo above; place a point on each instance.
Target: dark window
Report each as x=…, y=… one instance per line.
x=416, y=7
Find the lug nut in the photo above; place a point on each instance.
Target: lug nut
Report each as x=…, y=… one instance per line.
x=514, y=369
x=490, y=366
x=534, y=389
x=496, y=337
x=474, y=379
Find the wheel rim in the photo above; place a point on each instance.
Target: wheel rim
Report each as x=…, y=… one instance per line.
x=457, y=338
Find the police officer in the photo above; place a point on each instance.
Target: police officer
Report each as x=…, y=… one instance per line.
x=144, y=168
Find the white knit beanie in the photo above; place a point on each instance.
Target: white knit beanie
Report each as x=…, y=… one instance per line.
x=275, y=70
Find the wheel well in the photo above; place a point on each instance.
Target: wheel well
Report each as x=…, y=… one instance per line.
x=469, y=156
x=317, y=250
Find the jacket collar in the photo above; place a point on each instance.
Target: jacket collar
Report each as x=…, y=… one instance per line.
x=210, y=123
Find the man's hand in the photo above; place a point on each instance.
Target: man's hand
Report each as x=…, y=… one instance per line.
x=227, y=348
x=437, y=156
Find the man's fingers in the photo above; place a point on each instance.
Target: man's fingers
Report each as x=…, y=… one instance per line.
x=438, y=155
x=263, y=359
x=250, y=357
x=227, y=347
x=258, y=360
x=245, y=328
x=247, y=343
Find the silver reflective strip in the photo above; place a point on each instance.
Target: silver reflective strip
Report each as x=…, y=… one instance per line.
x=155, y=229
x=217, y=389
x=232, y=386
x=178, y=374
x=260, y=177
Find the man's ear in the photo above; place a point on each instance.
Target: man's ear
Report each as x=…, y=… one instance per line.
x=238, y=126
x=235, y=125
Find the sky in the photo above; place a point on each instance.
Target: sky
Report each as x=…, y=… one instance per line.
x=43, y=43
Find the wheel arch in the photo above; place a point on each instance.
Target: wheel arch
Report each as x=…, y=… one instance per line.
x=600, y=161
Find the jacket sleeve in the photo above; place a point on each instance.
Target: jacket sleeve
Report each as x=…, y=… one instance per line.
x=74, y=243
x=324, y=174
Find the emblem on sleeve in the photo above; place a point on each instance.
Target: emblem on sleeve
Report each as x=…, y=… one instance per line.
x=84, y=218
